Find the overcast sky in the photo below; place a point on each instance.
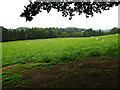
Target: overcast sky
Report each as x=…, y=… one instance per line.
x=11, y=9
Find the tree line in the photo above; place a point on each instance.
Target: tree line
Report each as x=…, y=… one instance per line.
x=43, y=33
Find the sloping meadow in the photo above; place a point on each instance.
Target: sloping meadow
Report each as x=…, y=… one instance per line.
x=59, y=50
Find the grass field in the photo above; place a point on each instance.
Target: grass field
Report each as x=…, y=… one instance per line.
x=90, y=62
x=58, y=50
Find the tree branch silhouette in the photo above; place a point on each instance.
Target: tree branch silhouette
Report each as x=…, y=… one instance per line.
x=88, y=8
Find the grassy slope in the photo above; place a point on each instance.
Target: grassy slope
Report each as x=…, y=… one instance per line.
x=58, y=49
x=94, y=72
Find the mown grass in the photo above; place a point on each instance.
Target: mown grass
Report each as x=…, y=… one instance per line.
x=58, y=50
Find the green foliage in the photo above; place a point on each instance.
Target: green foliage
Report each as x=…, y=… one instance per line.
x=43, y=33
x=22, y=66
x=41, y=64
x=115, y=30
x=86, y=7
x=94, y=52
x=6, y=73
x=12, y=79
x=46, y=59
x=112, y=51
x=67, y=56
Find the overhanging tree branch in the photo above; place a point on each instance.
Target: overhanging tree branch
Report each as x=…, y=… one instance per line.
x=88, y=8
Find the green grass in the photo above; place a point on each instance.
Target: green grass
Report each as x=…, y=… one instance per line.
x=9, y=78
x=13, y=79
x=58, y=49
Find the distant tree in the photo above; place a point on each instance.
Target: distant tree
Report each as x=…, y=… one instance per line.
x=4, y=34
x=114, y=30
x=100, y=32
x=41, y=33
x=89, y=32
x=67, y=8
x=75, y=34
x=15, y=35
x=22, y=35
x=64, y=34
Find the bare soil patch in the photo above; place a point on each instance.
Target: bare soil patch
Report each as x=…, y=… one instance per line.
x=91, y=73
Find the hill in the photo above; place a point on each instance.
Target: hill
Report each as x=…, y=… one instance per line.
x=90, y=62
x=58, y=49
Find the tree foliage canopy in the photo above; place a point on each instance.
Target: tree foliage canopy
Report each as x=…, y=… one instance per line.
x=67, y=8
x=24, y=33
